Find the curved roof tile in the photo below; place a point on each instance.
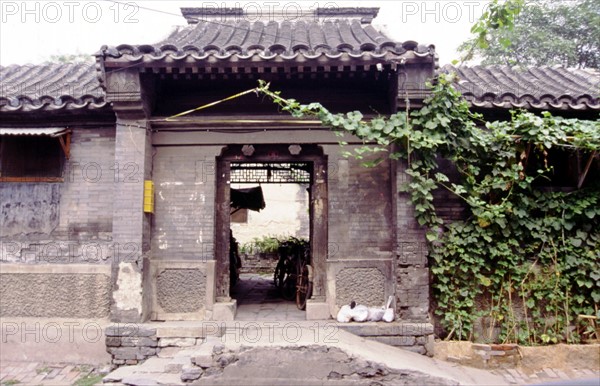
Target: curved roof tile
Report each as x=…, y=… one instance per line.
x=242, y=38
x=530, y=87
x=50, y=87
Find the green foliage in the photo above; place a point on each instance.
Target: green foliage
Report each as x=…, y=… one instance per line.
x=543, y=33
x=269, y=244
x=500, y=16
x=264, y=244
x=526, y=258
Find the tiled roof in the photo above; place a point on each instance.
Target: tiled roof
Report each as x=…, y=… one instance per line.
x=531, y=87
x=49, y=87
x=240, y=39
x=49, y=132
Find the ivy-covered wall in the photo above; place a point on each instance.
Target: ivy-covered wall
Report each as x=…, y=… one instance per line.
x=523, y=259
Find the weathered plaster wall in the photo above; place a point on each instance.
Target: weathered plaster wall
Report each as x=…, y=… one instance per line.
x=181, y=290
x=62, y=291
x=29, y=208
x=184, y=180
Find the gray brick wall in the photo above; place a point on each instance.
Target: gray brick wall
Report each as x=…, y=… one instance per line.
x=87, y=197
x=130, y=159
x=184, y=179
x=360, y=210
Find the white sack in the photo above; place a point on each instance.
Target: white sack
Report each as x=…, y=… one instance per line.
x=375, y=314
x=344, y=315
x=360, y=313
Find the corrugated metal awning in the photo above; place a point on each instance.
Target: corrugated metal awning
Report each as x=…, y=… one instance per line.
x=49, y=131
x=59, y=133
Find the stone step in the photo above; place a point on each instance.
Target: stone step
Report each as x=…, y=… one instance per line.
x=176, y=365
x=188, y=329
x=151, y=365
x=275, y=358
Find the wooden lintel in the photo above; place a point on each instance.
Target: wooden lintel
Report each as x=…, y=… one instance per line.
x=32, y=179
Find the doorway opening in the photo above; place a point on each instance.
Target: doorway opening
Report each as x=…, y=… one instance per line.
x=269, y=205
x=270, y=235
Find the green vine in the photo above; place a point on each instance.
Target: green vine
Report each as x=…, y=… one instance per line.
x=500, y=15
x=525, y=262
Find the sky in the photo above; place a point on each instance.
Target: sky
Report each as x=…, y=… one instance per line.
x=31, y=31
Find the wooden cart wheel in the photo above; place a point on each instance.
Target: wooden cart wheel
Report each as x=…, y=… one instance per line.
x=304, y=287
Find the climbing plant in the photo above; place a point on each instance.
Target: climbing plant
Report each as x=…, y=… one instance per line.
x=525, y=261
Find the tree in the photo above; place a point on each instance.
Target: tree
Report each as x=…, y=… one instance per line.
x=77, y=57
x=544, y=33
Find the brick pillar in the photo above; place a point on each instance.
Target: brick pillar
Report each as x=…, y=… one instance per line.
x=412, y=271
x=131, y=226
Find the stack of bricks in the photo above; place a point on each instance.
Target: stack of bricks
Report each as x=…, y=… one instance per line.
x=129, y=344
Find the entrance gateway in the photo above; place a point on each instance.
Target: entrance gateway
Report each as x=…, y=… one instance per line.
x=365, y=245
x=273, y=163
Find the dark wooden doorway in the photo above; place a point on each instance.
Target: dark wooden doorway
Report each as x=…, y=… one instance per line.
x=316, y=161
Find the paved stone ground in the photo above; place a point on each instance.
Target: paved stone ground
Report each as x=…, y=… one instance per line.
x=34, y=373
x=520, y=377
x=258, y=300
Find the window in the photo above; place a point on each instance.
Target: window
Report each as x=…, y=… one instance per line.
x=39, y=156
x=568, y=169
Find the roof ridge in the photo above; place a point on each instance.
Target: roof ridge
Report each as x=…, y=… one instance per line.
x=273, y=12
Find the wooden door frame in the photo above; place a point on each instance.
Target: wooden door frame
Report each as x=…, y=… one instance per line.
x=318, y=208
